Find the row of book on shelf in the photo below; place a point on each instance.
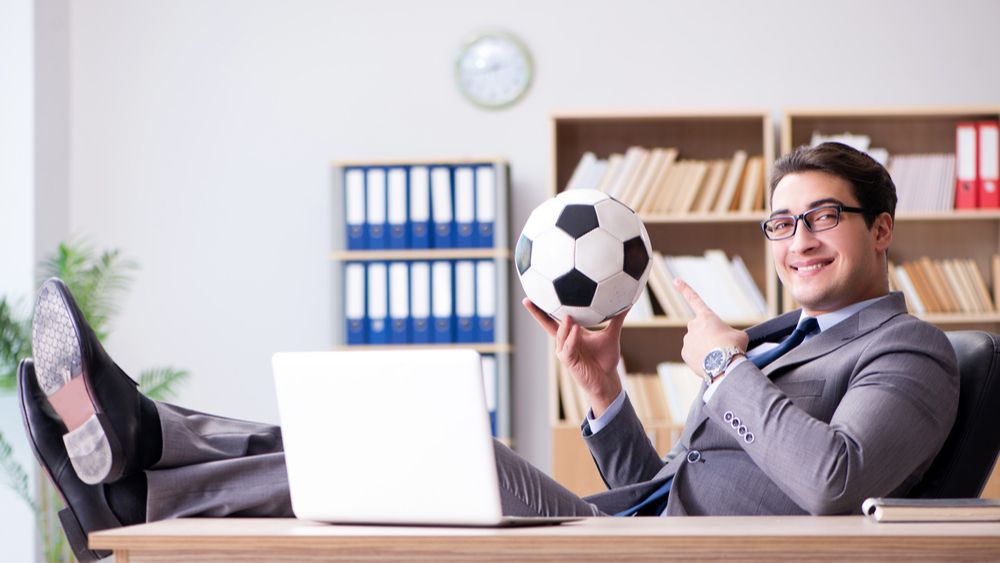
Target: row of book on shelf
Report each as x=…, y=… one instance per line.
x=420, y=206
x=723, y=283
x=658, y=181
x=964, y=179
x=664, y=396
x=944, y=286
x=420, y=302
x=977, y=155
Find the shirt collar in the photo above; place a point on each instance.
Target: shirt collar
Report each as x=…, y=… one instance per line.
x=828, y=320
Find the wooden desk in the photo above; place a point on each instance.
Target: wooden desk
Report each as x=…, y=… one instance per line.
x=593, y=539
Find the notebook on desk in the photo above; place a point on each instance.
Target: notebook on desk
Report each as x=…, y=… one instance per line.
x=389, y=437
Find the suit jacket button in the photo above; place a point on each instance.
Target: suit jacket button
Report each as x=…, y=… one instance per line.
x=748, y=437
x=728, y=416
x=741, y=430
x=736, y=423
x=694, y=456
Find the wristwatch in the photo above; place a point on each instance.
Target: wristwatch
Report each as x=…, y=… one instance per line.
x=717, y=360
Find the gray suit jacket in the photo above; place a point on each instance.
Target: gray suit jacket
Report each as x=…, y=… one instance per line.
x=859, y=410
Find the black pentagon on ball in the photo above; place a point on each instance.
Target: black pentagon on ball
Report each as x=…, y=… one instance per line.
x=636, y=258
x=575, y=289
x=577, y=220
x=522, y=254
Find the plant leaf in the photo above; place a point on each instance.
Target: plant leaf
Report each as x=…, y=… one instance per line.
x=15, y=344
x=160, y=384
x=17, y=478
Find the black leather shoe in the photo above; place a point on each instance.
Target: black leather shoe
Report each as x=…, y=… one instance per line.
x=95, y=400
x=87, y=508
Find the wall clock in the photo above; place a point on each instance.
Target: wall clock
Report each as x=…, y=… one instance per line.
x=494, y=70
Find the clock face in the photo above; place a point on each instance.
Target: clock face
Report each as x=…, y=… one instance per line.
x=494, y=70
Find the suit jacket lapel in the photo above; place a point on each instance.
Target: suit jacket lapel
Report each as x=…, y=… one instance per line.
x=855, y=326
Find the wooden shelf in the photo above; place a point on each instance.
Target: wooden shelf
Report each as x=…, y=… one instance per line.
x=481, y=348
x=663, y=322
x=954, y=215
x=422, y=254
x=690, y=218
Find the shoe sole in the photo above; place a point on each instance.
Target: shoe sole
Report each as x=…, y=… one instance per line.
x=60, y=372
x=72, y=527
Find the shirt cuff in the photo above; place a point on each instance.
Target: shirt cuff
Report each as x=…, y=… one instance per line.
x=718, y=381
x=607, y=416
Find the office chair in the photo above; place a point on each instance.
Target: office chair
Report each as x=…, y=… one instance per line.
x=966, y=460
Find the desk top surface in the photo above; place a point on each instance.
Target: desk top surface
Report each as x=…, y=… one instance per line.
x=278, y=529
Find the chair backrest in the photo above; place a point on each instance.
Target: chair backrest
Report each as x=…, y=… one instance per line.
x=966, y=460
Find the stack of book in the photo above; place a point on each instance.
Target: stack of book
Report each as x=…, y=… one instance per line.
x=724, y=284
x=419, y=206
x=420, y=301
x=943, y=286
x=924, y=182
x=657, y=182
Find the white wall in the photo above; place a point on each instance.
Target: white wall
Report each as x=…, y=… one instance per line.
x=16, y=240
x=202, y=134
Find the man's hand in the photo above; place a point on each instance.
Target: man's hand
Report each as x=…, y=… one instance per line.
x=591, y=357
x=706, y=331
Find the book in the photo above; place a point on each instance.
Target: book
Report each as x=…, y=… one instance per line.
x=932, y=510
x=680, y=386
x=581, y=173
x=636, y=161
x=752, y=193
x=611, y=173
x=980, y=284
x=966, y=166
x=647, y=204
x=644, y=181
x=729, y=186
x=693, y=182
x=713, y=183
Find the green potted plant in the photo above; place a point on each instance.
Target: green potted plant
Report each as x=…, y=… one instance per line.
x=97, y=281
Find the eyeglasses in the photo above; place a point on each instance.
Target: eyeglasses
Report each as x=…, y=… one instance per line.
x=816, y=220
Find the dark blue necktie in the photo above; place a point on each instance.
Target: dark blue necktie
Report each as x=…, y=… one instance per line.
x=794, y=339
x=657, y=495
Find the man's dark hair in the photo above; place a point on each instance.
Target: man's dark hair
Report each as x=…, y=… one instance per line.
x=870, y=182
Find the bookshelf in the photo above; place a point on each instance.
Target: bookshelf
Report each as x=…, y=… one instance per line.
x=475, y=212
x=972, y=234
x=938, y=235
x=695, y=134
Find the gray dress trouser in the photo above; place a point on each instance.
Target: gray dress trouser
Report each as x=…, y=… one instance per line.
x=214, y=466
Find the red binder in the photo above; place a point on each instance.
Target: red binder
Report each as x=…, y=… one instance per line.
x=966, y=166
x=989, y=164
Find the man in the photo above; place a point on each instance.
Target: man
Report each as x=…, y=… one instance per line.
x=854, y=402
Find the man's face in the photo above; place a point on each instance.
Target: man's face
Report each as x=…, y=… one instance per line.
x=829, y=270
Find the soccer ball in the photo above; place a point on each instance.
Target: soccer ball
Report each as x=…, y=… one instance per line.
x=583, y=254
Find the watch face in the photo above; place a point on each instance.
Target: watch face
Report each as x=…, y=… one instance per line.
x=494, y=70
x=714, y=361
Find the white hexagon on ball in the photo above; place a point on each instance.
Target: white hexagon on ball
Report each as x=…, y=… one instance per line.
x=616, y=218
x=543, y=217
x=615, y=294
x=599, y=255
x=539, y=290
x=552, y=252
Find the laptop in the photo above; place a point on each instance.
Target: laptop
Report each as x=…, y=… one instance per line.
x=389, y=437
